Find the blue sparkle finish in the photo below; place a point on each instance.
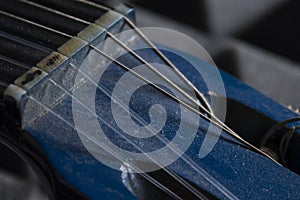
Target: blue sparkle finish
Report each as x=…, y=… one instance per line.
x=244, y=173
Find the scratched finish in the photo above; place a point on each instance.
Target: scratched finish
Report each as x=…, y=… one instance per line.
x=244, y=173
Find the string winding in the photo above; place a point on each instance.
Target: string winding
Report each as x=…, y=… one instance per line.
x=206, y=111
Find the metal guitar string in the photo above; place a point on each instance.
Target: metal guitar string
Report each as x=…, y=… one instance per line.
x=24, y=66
x=99, y=51
x=26, y=42
x=181, y=181
x=193, y=190
x=135, y=116
x=139, y=119
x=71, y=36
x=108, y=124
x=206, y=108
x=146, y=176
x=214, y=119
x=199, y=170
x=286, y=138
x=208, y=111
x=273, y=129
x=222, y=126
x=114, y=154
x=284, y=143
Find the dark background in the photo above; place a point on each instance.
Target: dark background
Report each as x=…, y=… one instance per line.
x=257, y=41
x=270, y=24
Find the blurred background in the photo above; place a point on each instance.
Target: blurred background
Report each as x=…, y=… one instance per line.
x=257, y=41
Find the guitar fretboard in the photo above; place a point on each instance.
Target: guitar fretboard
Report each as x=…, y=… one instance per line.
x=31, y=30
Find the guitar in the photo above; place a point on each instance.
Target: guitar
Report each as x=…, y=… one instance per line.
x=102, y=110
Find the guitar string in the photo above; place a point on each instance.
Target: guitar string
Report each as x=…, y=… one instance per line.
x=129, y=50
x=149, y=42
x=189, y=187
x=201, y=170
x=285, y=140
x=183, y=157
x=108, y=150
x=135, y=116
x=206, y=108
x=215, y=120
x=15, y=62
x=177, y=71
x=284, y=143
x=69, y=36
x=152, y=180
x=26, y=42
x=273, y=129
x=208, y=177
